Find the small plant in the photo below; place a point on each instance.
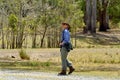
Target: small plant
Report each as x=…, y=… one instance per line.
x=47, y=64
x=34, y=64
x=23, y=55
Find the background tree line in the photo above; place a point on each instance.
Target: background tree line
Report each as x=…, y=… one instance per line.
x=36, y=23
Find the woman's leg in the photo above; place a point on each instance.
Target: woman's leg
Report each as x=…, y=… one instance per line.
x=64, y=54
x=65, y=62
x=68, y=63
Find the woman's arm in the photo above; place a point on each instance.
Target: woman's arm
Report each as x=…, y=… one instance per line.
x=66, y=37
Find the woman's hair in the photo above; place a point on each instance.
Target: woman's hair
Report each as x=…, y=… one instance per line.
x=68, y=26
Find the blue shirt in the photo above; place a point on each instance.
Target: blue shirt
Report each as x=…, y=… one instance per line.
x=65, y=36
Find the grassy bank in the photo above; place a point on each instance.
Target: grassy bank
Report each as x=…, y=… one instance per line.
x=49, y=66
x=90, y=70
x=109, y=39
x=84, y=60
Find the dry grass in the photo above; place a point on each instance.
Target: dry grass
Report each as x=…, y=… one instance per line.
x=100, y=40
x=96, y=56
x=84, y=59
x=96, y=59
x=107, y=59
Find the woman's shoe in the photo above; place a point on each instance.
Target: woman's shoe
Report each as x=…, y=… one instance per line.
x=62, y=73
x=71, y=70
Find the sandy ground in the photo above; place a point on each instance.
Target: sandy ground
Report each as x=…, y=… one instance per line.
x=31, y=75
x=35, y=54
x=47, y=54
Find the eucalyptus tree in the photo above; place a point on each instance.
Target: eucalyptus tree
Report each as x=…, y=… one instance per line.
x=19, y=9
x=108, y=8
x=75, y=18
x=1, y=26
x=91, y=15
x=23, y=9
x=13, y=20
x=66, y=11
x=103, y=14
x=45, y=11
x=3, y=18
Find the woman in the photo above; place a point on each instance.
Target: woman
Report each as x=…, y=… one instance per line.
x=65, y=48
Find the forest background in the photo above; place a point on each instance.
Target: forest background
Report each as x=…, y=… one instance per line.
x=36, y=23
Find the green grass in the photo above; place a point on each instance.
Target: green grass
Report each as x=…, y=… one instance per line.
x=26, y=64
x=30, y=65
x=112, y=74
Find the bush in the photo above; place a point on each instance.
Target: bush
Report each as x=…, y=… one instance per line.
x=34, y=64
x=47, y=64
x=23, y=55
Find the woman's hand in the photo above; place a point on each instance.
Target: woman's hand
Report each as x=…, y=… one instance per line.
x=61, y=44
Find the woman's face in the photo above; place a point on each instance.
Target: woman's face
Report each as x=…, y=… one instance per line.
x=64, y=26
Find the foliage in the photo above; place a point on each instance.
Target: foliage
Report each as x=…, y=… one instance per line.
x=43, y=18
x=114, y=11
x=13, y=20
x=24, y=55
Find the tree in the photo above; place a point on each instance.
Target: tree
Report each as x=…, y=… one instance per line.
x=114, y=11
x=1, y=25
x=91, y=15
x=38, y=21
x=103, y=15
x=13, y=21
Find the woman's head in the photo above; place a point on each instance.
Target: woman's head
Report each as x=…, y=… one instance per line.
x=65, y=26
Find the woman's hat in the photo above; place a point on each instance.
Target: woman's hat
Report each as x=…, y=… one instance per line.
x=66, y=24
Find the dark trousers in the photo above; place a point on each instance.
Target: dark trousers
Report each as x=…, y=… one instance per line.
x=65, y=62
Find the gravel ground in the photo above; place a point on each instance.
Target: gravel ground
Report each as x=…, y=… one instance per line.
x=32, y=75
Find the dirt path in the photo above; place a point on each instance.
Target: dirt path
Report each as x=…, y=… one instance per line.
x=32, y=75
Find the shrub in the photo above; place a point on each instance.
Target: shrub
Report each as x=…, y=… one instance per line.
x=34, y=64
x=23, y=55
x=47, y=64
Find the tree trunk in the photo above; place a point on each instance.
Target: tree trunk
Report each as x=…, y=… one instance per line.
x=34, y=38
x=13, y=40
x=20, y=29
x=48, y=42
x=75, y=37
x=20, y=39
x=42, y=40
x=103, y=24
x=90, y=16
x=103, y=16
x=3, y=44
x=93, y=17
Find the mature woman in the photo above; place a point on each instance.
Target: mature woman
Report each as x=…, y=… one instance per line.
x=65, y=49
